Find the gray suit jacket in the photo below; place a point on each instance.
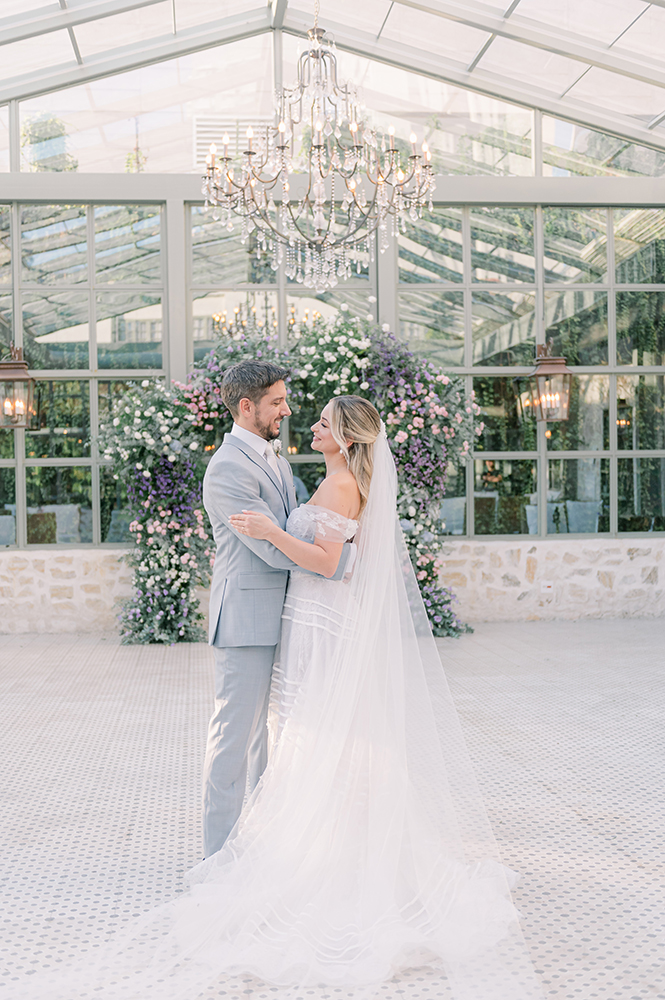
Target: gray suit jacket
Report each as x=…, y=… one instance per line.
x=250, y=575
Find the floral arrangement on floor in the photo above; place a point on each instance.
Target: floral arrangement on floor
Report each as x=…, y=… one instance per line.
x=428, y=420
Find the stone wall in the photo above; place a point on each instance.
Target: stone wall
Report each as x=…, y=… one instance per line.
x=76, y=590
x=560, y=578
x=61, y=590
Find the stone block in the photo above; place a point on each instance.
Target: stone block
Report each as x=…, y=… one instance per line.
x=509, y=580
x=635, y=553
x=581, y=572
x=570, y=558
x=453, y=579
x=91, y=588
x=495, y=560
x=633, y=594
x=38, y=565
x=62, y=574
x=514, y=556
x=606, y=578
x=487, y=578
x=64, y=560
x=61, y=592
x=96, y=604
x=649, y=574
x=15, y=564
x=531, y=567
x=7, y=592
x=591, y=555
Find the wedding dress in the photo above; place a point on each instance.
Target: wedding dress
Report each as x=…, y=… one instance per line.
x=365, y=852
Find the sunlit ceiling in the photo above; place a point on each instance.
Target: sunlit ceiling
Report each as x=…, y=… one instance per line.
x=596, y=62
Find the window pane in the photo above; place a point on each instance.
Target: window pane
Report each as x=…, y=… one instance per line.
x=53, y=244
x=642, y=494
x=640, y=328
x=220, y=315
x=503, y=328
x=5, y=245
x=114, y=512
x=7, y=507
x=506, y=428
x=572, y=150
x=577, y=323
x=220, y=258
x=431, y=249
x=127, y=244
x=588, y=424
x=109, y=393
x=639, y=245
x=63, y=420
x=502, y=244
x=4, y=139
x=55, y=329
x=129, y=330
x=305, y=306
x=505, y=497
x=453, y=506
x=6, y=329
x=6, y=443
x=59, y=505
x=578, y=496
x=641, y=411
x=575, y=243
x=433, y=324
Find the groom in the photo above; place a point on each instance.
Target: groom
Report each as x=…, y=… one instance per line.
x=248, y=587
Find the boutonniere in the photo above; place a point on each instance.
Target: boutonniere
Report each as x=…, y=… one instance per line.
x=277, y=446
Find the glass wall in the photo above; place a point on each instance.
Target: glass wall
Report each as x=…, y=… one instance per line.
x=83, y=289
x=83, y=296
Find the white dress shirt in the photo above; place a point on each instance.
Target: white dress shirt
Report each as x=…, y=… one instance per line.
x=260, y=445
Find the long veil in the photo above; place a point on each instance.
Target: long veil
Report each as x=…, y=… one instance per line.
x=365, y=853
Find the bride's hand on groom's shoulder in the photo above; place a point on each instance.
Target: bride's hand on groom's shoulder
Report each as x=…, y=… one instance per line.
x=252, y=524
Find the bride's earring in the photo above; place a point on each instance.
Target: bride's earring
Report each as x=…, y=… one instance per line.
x=341, y=451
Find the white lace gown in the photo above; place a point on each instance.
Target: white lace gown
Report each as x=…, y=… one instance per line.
x=317, y=613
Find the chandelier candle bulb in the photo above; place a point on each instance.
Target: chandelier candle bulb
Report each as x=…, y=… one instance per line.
x=413, y=140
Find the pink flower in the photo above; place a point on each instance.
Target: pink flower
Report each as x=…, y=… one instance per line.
x=401, y=437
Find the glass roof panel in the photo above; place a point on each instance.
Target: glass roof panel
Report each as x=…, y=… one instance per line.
x=368, y=15
x=433, y=34
x=646, y=35
x=602, y=20
x=39, y=53
x=150, y=118
x=545, y=70
x=570, y=149
x=123, y=29
x=13, y=7
x=619, y=93
x=189, y=13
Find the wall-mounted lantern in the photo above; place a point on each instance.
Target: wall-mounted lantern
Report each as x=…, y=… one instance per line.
x=550, y=385
x=16, y=391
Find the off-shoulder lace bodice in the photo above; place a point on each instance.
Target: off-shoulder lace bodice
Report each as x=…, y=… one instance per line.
x=308, y=521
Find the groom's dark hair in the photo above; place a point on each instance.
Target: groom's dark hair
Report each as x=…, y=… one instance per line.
x=249, y=380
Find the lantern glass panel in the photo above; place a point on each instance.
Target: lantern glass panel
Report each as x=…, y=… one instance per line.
x=588, y=425
x=16, y=402
x=641, y=412
x=641, y=494
x=59, y=505
x=7, y=506
x=578, y=496
x=505, y=497
x=551, y=396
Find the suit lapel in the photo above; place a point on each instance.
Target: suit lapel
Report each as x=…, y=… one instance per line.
x=287, y=476
x=261, y=464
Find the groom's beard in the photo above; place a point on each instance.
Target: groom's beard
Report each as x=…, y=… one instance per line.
x=267, y=431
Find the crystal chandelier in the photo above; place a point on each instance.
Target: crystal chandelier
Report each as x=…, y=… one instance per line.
x=357, y=183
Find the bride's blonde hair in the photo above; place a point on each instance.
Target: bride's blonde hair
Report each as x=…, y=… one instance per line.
x=354, y=418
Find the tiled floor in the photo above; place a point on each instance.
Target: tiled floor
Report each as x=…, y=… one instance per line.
x=101, y=750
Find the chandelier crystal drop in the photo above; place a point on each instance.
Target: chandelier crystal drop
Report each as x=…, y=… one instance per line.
x=357, y=186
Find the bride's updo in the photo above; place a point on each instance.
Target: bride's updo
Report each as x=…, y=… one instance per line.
x=355, y=419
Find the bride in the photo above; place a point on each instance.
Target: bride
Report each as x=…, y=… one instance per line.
x=363, y=864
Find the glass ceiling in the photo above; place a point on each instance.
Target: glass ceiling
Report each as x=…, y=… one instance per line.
x=594, y=62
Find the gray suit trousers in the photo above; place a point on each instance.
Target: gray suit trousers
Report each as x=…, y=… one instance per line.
x=236, y=752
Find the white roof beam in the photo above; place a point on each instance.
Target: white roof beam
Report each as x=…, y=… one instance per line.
x=436, y=67
x=551, y=39
x=42, y=21
x=145, y=53
x=278, y=12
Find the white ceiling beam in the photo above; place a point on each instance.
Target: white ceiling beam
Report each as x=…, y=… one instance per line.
x=203, y=36
x=44, y=20
x=528, y=32
x=278, y=13
x=436, y=67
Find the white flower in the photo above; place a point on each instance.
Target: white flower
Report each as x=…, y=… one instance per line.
x=344, y=307
x=364, y=385
x=139, y=465
x=137, y=413
x=194, y=445
x=371, y=298
x=146, y=474
x=411, y=511
x=385, y=327
x=145, y=383
x=277, y=446
x=167, y=439
x=127, y=430
x=171, y=458
x=329, y=357
x=354, y=378
x=164, y=429
x=370, y=317
x=116, y=421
